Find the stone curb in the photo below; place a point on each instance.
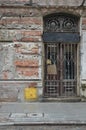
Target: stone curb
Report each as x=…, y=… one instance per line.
x=36, y=119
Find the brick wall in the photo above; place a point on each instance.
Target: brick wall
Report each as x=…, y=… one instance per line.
x=20, y=51
x=21, y=47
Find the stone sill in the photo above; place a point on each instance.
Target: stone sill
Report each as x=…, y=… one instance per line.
x=20, y=81
x=63, y=99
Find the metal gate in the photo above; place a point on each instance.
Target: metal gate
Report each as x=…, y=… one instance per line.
x=60, y=76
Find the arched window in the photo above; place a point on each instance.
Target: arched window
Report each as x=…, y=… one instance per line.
x=61, y=38
x=61, y=27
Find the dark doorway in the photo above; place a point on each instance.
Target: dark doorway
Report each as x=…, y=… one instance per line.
x=61, y=38
x=60, y=69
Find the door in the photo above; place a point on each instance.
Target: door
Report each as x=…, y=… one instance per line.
x=60, y=70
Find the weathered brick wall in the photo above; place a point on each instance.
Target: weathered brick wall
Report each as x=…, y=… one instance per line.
x=20, y=51
x=14, y=91
x=21, y=44
x=20, y=60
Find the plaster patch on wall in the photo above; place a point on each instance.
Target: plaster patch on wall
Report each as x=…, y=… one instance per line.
x=20, y=60
x=8, y=69
x=83, y=56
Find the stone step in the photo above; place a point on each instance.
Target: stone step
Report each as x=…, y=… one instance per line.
x=62, y=99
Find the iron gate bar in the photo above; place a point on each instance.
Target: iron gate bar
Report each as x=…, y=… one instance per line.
x=49, y=37
x=61, y=81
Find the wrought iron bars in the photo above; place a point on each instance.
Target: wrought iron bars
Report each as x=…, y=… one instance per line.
x=60, y=23
x=60, y=69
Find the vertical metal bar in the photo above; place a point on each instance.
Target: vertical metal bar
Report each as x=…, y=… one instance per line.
x=69, y=53
x=58, y=67
x=63, y=49
x=55, y=89
x=54, y=59
x=69, y=87
x=58, y=62
x=78, y=68
x=72, y=67
x=74, y=61
x=76, y=58
x=50, y=74
x=74, y=73
x=71, y=64
x=65, y=69
x=57, y=82
x=64, y=66
x=75, y=66
x=61, y=68
x=46, y=68
x=45, y=71
x=46, y=59
x=68, y=62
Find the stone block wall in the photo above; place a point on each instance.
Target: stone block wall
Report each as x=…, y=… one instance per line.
x=20, y=44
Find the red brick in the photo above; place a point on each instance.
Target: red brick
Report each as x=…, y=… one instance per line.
x=5, y=75
x=32, y=84
x=27, y=71
x=20, y=21
x=19, y=12
x=33, y=50
x=31, y=33
x=31, y=39
x=20, y=35
x=28, y=63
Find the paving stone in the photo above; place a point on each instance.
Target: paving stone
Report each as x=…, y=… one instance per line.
x=18, y=115
x=4, y=115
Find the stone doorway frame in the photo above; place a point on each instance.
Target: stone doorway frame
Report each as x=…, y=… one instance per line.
x=77, y=40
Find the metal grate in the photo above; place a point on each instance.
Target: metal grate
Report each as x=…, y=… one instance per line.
x=60, y=22
x=60, y=69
